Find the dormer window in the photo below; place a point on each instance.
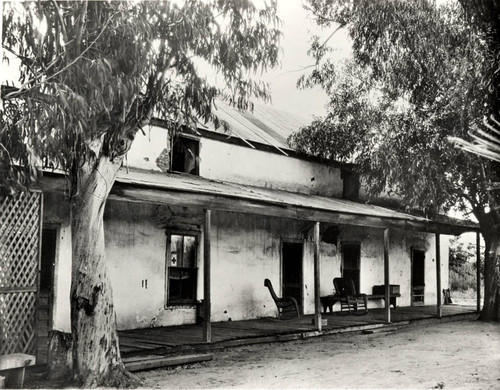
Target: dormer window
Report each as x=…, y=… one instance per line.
x=186, y=154
x=351, y=185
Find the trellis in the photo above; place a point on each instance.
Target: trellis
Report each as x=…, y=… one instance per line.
x=20, y=218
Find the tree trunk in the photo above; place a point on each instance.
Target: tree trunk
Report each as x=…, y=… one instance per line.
x=491, y=234
x=96, y=353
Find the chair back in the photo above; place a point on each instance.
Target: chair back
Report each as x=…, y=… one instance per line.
x=344, y=287
x=269, y=285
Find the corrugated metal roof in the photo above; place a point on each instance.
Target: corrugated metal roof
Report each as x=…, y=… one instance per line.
x=265, y=124
x=195, y=184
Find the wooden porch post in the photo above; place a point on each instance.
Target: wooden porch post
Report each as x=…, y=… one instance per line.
x=478, y=270
x=387, y=299
x=438, y=276
x=207, y=325
x=317, y=303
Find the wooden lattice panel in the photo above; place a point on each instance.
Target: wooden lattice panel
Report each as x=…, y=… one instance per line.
x=19, y=259
x=18, y=314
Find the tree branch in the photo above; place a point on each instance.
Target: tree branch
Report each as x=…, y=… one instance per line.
x=66, y=67
x=82, y=17
x=61, y=20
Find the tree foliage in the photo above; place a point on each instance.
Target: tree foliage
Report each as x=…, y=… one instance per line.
x=419, y=74
x=416, y=77
x=98, y=70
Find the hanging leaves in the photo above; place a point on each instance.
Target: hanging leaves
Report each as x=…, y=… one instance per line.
x=97, y=71
x=416, y=76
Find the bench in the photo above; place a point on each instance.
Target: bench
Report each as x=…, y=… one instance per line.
x=392, y=298
x=12, y=369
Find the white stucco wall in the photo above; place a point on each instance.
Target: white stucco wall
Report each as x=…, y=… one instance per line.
x=239, y=164
x=147, y=147
x=136, y=253
x=223, y=161
x=246, y=250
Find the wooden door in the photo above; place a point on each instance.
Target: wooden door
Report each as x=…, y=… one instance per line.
x=417, y=277
x=292, y=271
x=46, y=292
x=351, y=259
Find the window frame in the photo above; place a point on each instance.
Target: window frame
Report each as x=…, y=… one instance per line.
x=168, y=240
x=351, y=185
x=179, y=137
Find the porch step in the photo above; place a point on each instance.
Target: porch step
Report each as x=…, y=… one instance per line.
x=140, y=363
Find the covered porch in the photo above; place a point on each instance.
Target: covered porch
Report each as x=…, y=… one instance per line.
x=138, y=344
x=183, y=338
x=312, y=211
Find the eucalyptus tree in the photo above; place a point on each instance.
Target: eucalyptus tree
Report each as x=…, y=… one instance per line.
x=418, y=74
x=91, y=76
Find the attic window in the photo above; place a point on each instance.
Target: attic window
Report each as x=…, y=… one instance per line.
x=186, y=155
x=351, y=185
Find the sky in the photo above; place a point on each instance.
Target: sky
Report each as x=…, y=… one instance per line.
x=298, y=27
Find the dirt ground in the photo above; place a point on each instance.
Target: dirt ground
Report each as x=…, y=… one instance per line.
x=449, y=355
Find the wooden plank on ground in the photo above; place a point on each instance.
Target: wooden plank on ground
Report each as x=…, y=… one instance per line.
x=124, y=349
x=165, y=361
x=136, y=344
x=149, y=340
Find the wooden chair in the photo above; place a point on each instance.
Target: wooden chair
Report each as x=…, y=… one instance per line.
x=348, y=297
x=286, y=306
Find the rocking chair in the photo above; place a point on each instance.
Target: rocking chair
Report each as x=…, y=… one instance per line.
x=348, y=297
x=286, y=306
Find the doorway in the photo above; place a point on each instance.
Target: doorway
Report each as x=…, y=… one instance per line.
x=291, y=256
x=46, y=291
x=417, y=277
x=351, y=259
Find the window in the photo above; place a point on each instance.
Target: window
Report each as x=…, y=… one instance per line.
x=182, y=271
x=185, y=155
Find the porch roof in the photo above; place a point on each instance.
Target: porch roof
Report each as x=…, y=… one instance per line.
x=188, y=190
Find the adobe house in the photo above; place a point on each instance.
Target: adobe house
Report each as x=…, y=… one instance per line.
x=205, y=216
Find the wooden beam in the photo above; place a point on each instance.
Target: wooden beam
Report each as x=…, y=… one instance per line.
x=207, y=306
x=478, y=271
x=126, y=192
x=317, y=278
x=438, y=276
x=387, y=300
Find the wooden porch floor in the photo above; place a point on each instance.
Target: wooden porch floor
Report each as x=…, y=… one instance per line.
x=188, y=338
